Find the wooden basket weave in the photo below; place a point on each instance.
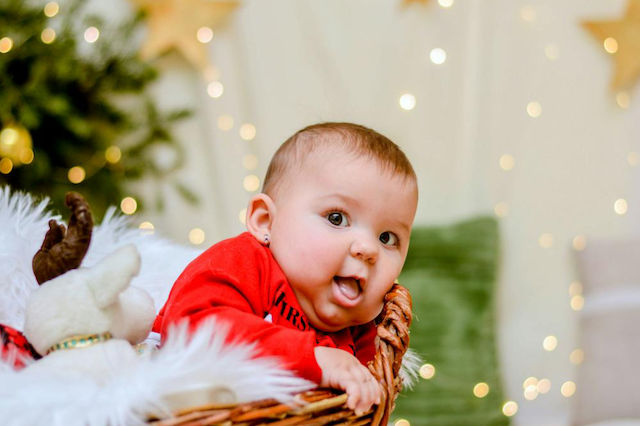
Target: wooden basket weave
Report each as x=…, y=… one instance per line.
x=325, y=406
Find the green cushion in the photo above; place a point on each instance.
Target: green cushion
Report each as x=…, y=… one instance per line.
x=451, y=273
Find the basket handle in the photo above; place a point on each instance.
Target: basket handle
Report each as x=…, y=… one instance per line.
x=392, y=343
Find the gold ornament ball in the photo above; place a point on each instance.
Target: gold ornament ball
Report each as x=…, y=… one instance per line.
x=16, y=144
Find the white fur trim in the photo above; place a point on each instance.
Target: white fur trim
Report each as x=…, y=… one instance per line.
x=132, y=391
x=409, y=369
x=23, y=225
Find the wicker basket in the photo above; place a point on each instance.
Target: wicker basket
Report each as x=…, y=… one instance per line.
x=324, y=406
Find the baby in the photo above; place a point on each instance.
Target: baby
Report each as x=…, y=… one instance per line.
x=326, y=239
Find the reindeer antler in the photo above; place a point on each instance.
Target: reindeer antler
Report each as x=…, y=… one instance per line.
x=64, y=248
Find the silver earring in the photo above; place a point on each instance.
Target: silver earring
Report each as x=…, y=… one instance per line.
x=267, y=240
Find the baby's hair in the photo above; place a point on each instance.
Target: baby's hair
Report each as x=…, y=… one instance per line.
x=354, y=138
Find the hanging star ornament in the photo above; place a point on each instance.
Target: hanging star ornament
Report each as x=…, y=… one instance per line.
x=174, y=24
x=406, y=3
x=625, y=46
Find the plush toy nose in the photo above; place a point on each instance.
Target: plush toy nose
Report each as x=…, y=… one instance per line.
x=133, y=315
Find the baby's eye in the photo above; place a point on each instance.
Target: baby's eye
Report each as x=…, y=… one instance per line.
x=388, y=238
x=337, y=219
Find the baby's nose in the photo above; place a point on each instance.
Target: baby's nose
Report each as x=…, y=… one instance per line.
x=364, y=249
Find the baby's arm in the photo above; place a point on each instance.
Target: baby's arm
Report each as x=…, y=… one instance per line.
x=341, y=370
x=293, y=347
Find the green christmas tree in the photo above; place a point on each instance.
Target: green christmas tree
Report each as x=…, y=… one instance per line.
x=74, y=109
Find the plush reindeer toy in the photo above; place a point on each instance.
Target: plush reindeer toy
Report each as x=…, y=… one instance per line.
x=84, y=319
x=62, y=250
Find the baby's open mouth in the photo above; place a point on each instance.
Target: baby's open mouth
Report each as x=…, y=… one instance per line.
x=349, y=287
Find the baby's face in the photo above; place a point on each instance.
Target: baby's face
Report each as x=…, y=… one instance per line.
x=340, y=233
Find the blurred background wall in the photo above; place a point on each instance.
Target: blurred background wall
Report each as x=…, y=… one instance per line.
x=505, y=107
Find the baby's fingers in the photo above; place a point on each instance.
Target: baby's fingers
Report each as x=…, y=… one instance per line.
x=362, y=395
x=354, y=396
x=370, y=395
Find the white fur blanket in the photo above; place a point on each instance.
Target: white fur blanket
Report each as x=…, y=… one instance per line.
x=130, y=393
x=23, y=224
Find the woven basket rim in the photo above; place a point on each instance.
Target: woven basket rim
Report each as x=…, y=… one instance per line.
x=323, y=406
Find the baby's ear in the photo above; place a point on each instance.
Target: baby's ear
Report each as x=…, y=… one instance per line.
x=260, y=213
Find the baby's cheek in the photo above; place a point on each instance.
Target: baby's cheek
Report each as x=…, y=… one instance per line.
x=373, y=312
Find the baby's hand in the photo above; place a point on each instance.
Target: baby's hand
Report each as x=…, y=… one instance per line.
x=342, y=370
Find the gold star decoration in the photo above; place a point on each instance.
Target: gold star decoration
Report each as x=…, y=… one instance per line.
x=406, y=3
x=621, y=38
x=174, y=24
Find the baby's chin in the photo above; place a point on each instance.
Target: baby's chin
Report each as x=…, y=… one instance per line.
x=332, y=323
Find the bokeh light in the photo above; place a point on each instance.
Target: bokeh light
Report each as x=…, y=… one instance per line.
x=427, y=371
x=26, y=156
x=196, y=236
x=438, y=56
x=575, y=288
x=528, y=13
x=247, y=131
x=6, y=165
x=215, y=89
x=529, y=381
x=480, y=390
x=91, y=34
x=48, y=35
x=545, y=240
x=620, y=206
x=530, y=392
x=579, y=242
x=623, y=99
x=250, y=162
x=204, y=35
x=51, y=9
x=610, y=44
x=544, y=386
x=576, y=357
x=501, y=209
x=6, y=44
x=510, y=408
x=551, y=51
x=577, y=302
x=76, y=174
x=507, y=162
x=225, y=122
x=113, y=154
x=147, y=228
x=251, y=183
x=568, y=389
x=407, y=101
x=128, y=205
x=534, y=109
x=550, y=343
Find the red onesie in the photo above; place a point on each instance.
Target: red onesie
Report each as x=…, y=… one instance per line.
x=239, y=281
